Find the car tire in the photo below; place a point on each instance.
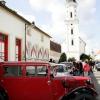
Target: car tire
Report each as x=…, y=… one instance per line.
x=1, y=97
x=84, y=97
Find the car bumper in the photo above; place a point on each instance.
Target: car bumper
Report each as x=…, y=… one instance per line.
x=98, y=69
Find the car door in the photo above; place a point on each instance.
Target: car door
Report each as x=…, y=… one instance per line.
x=12, y=81
x=38, y=83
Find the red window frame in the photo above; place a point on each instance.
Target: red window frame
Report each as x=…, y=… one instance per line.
x=18, y=54
x=4, y=39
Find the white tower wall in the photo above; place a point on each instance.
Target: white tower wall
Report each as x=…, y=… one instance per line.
x=72, y=32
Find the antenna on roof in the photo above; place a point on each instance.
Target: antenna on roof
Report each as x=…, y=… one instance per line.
x=2, y=2
x=33, y=22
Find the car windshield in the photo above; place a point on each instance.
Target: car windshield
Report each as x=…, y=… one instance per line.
x=61, y=68
x=98, y=64
x=68, y=64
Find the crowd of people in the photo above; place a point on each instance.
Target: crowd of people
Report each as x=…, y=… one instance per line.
x=82, y=68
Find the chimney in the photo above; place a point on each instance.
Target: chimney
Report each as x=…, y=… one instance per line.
x=33, y=23
x=2, y=2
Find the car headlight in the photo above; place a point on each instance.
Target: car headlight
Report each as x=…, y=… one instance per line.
x=89, y=82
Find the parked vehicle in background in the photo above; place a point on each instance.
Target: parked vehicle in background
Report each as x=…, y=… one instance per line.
x=61, y=70
x=68, y=64
x=34, y=81
x=97, y=66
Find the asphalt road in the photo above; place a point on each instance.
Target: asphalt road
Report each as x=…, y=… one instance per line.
x=96, y=79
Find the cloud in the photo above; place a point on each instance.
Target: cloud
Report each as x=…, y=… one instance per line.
x=39, y=4
x=57, y=10
x=87, y=8
x=86, y=12
x=30, y=18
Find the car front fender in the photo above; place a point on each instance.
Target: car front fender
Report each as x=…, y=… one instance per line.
x=78, y=90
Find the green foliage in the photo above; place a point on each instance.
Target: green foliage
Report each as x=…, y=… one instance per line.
x=84, y=57
x=71, y=59
x=63, y=57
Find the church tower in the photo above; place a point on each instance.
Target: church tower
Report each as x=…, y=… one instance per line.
x=71, y=43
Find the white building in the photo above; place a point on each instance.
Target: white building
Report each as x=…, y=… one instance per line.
x=82, y=46
x=20, y=39
x=71, y=45
x=38, y=44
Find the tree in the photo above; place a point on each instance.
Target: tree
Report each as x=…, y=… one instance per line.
x=84, y=57
x=71, y=59
x=63, y=57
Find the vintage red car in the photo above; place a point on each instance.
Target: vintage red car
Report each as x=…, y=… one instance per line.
x=34, y=81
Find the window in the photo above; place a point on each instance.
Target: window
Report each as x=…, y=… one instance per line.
x=18, y=50
x=36, y=71
x=41, y=71
x=72, y=42
x=1, y=51
x=12, y=71
x=3, y=48
x=71, y=15
x=71, y=31
x=30, y=71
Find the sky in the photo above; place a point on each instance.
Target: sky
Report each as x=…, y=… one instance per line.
x=50, y=16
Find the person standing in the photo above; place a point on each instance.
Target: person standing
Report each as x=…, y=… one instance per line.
x=80, y=68
x=75, y=69
x=86, y=68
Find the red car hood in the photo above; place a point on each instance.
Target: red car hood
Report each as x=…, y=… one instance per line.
x=75, y=81
x=81, y=78
x=75, y=78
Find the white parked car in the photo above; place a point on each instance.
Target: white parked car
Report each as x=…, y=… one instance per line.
x=97, y=66
x=60, y=70
x=68, y=64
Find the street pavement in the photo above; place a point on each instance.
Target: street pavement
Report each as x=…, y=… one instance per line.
x=96, y=79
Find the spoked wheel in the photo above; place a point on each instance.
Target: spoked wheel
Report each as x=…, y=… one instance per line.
x=84, y=97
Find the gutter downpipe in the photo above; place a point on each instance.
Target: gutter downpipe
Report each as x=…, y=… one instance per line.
x=25, y=40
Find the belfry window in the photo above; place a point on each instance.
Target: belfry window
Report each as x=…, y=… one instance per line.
x=71, y=31
x=71, y=15
x=72, y=42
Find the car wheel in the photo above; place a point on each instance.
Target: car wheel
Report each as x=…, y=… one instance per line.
x=1, y=97
x=84, y=97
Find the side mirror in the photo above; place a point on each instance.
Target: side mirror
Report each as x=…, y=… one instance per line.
x=71, y=72
x=51, y=75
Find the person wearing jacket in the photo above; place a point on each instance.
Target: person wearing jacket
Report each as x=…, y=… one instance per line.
x=86, y=68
